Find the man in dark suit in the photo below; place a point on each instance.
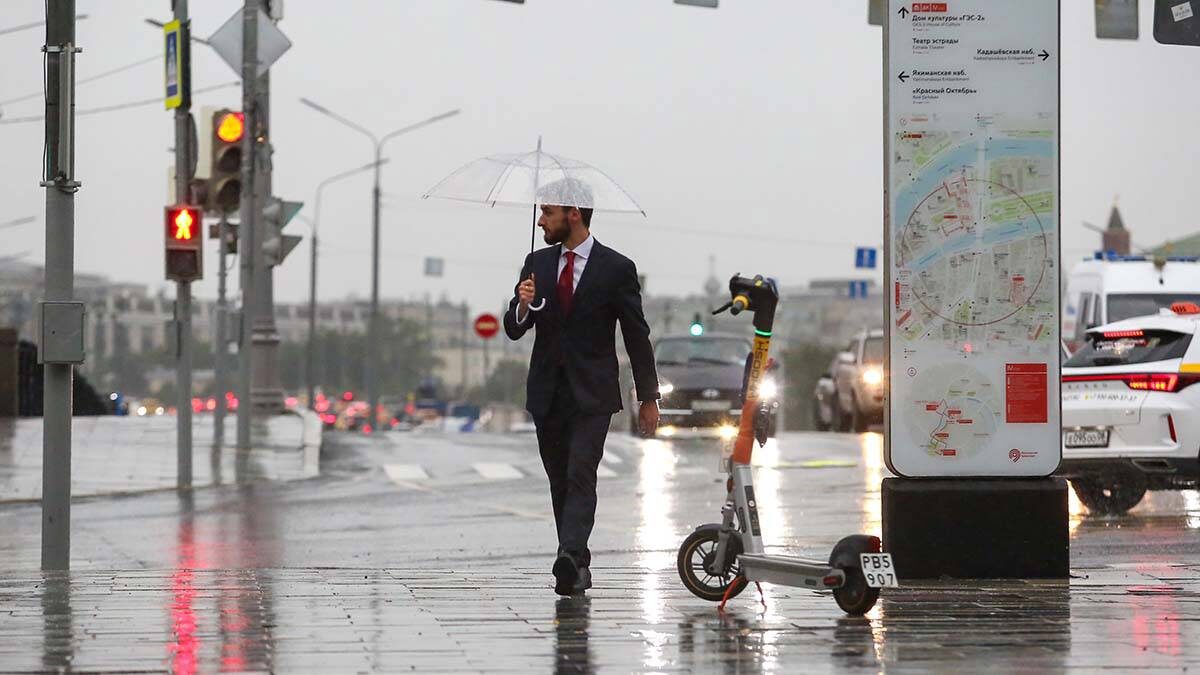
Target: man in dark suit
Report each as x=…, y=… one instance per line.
x=574, y=385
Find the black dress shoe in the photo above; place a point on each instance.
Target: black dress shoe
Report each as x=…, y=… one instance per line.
x=565, y=575
x=584, y=581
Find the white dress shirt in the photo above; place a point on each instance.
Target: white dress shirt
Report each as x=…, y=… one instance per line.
x=582, y=252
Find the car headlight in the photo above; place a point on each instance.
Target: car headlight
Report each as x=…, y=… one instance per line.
x=873, y=376
x=768, y=388
x=665, y=388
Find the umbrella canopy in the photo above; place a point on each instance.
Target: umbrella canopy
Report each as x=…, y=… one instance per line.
x=532, y=178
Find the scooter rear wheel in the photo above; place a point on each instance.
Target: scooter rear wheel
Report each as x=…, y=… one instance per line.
x=855, y=597
x=694, y=556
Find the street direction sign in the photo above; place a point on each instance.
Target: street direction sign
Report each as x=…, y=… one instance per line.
x=486, y=326
x=227, y=42
x=434, y=267
x=864, y=258
x=972, y=237
x=858, y=288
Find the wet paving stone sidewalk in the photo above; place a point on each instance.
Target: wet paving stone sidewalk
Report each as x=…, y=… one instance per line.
x=331, y=620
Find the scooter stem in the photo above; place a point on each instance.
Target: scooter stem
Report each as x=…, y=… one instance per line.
x=760, y=296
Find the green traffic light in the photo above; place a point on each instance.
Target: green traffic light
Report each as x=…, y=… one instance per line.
x=697, y=329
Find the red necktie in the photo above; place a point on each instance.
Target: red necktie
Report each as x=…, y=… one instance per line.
x=566, y=283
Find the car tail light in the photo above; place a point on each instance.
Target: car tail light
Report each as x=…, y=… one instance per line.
x=1171, y=428
x=1116, y=334
x=1167, y=382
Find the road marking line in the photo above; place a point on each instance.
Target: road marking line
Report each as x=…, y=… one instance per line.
x=405, y=472
x=605, y=472
x=496, y=471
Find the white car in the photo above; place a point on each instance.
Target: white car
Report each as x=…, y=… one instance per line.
x=1130, y=412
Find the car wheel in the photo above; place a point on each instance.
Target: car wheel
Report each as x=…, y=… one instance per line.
x=1110, y=494
x=858, y=421
x=818, y=423
x=841, y=419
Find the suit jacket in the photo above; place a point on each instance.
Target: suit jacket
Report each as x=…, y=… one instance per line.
x=583, y=343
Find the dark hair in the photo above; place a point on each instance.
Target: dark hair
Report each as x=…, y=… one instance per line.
x=584, y=214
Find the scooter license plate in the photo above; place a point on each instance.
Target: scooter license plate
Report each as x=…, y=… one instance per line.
x=878, y=570
x=710, y=405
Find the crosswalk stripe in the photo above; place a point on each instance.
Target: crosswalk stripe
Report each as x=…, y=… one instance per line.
x=497, y=471
x=605, y=472
x=405, y=472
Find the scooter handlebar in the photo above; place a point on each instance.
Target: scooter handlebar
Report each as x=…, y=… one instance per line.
x=739, y=304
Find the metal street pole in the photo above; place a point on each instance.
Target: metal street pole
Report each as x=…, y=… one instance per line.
x=221, y=348
x=183, y=289
x=371, y=374
x=463, y=341
x=310, y=357
x=60, y=184
x=266, y=390
x=249, y=217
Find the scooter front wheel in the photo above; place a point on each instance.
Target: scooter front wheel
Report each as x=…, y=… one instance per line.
x=695, y=555
x=855, y=597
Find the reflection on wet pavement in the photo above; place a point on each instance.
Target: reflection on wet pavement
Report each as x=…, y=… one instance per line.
x=353, y=573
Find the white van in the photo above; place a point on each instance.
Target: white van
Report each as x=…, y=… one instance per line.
x=1107, y=289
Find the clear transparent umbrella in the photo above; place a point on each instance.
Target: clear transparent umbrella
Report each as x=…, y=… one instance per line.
x=533, y=178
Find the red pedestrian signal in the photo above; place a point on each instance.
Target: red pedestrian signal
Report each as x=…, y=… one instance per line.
x=184, y=245
x=182, y=223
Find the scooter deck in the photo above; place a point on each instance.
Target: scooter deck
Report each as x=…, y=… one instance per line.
x=789, y=571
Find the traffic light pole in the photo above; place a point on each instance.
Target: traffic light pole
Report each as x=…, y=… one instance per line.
x=183, y=289
x=247, y=246
x=60, y=184
x=373, y=319
x=221, y=348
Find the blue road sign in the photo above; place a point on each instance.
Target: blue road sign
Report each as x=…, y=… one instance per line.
x=864, y=258
x=858, y=289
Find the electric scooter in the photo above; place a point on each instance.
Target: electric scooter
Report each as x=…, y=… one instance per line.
x=717, y=561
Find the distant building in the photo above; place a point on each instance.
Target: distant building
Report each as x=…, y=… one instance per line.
x=130, y=319
x=1115, y=237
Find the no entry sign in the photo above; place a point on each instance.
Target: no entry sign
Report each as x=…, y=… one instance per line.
x=972, y=235
x=486, y=326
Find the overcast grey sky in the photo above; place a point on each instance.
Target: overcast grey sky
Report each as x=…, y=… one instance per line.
x=761, y=117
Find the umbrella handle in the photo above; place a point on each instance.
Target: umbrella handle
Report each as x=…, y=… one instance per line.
x=539, y=307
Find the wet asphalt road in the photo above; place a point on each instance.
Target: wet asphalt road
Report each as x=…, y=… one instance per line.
x=432, y=553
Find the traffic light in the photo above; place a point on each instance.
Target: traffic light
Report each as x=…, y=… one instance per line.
x=276, y=215
x=225, y=172
x=184, y=243
x=697, y=328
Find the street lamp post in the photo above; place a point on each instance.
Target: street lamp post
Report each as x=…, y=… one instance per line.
x=373, y=319
x=310, y=357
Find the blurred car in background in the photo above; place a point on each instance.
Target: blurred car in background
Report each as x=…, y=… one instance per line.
x=858, y=381
x=700, y=378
